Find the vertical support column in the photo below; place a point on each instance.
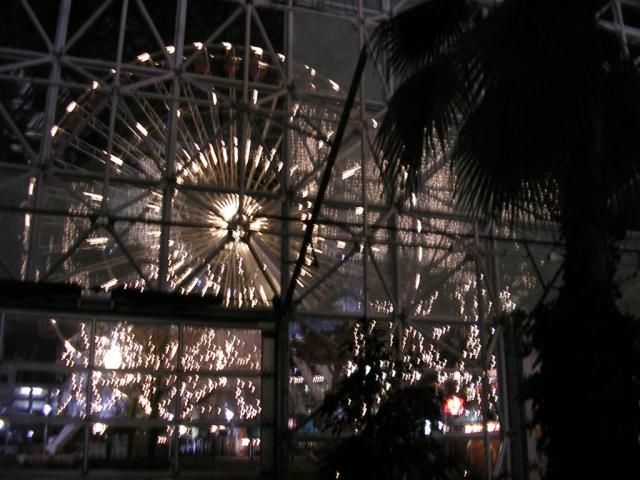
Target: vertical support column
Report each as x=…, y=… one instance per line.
x=509, y=368
x=169, y=171
x=242, y=112
x=88, y=396
x=177, y=407
x=115, y=99
x=363, y=170
x=268, y=417
x=281, y=447
x=484, y=379
x=398, y=315
x=31, y=267
x=492, y=279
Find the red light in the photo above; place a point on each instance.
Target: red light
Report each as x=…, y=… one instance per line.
x=454, y=405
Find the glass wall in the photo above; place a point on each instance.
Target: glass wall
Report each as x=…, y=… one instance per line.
x=87, y=394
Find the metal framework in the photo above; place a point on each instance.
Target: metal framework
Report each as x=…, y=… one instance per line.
x=195, y=166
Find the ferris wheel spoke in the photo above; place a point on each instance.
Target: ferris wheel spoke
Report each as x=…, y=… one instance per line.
x=259, y=264
x=100, y=156
x=152, y=117
x=227, y=156
x=427, y=290
x=71, y=192
x=127, y=254
x=158, y=77
x=123, y=206
x=265, y=248
x=200, y=200
x=215, y=153
x=267, y=123
x=311, y=174
x=67, y=62
x=315, y=129
x=269, y=166
x=223, y=161
x=286, y=125
x=70, y=251
x=152, y=145
x=87, y=119
x=210, y=256
x=272, y=98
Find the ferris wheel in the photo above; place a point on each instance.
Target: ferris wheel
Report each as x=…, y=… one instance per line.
x=226, y=190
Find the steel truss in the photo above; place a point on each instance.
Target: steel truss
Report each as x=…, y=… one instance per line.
x=366, y=255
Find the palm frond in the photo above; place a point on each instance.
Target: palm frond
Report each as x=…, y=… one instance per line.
x=421, y=116
x=525, y=84
x=621, y=142
x=501, y=156
x=417, y=35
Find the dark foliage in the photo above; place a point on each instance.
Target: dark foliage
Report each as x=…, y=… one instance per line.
x=392, y=443
x=380, y=419
x=537, y=109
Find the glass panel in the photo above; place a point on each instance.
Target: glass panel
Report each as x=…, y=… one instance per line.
x=52, y=446
x=221, y=449
x=127, y=447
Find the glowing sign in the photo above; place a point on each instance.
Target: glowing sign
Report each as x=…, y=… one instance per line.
x=454, y=405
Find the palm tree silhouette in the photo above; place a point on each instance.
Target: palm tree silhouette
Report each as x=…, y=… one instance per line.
x=538, y=112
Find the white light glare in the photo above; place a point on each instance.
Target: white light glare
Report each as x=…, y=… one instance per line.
x=427, y=427
x=118, y=161
x=228, y=414
x=141, y=129
x=350, y=172
x=113, y=358
x=93, y=196
x=98, y=428
x=109, y=284
x=97, y=241
x=32, y=184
